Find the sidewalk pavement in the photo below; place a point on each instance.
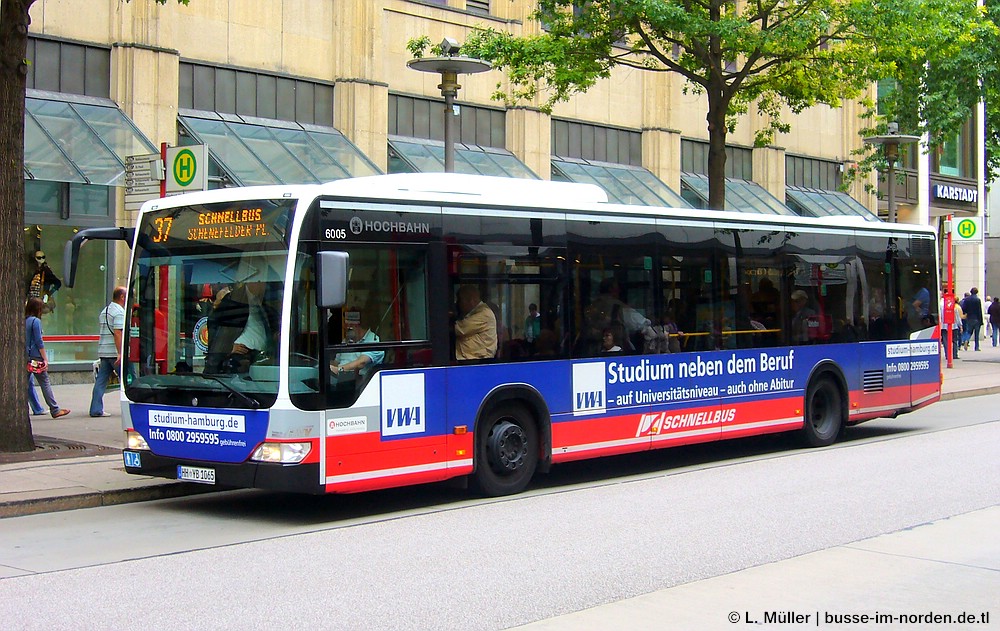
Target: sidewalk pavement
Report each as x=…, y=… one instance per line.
x=77, y=462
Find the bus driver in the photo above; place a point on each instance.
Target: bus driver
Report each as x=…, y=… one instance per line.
x=355, y=332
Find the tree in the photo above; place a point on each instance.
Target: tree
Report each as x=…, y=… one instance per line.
x=767, y=54
x=15, y=426
x=941, y=74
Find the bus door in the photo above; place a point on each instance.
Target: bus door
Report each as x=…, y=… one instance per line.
x=384, y=413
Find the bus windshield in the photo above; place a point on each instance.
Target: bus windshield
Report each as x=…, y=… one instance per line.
x=206, y=303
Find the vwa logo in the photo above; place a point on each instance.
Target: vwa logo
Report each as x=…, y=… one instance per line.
x=589, y=388
x=403, y=410
x=402, y=417
x=589, y=400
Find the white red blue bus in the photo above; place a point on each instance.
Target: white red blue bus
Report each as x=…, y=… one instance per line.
x=617, y=329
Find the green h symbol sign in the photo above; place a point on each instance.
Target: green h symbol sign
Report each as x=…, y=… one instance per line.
x=966, y=229
x=184, y=168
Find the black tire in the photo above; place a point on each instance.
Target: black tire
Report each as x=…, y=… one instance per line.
x=506, y=450
x=825, y=412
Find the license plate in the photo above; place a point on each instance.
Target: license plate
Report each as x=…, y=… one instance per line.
x=196, y=474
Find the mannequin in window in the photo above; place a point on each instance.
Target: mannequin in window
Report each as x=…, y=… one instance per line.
x=43, y=283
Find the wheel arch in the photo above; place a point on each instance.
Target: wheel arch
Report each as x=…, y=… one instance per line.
x=829, y=368
x=533, y=401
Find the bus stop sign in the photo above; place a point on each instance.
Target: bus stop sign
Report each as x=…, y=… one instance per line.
x=967, y=230
x=187, y=169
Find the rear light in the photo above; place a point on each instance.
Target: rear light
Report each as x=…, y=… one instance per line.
x=283, y=453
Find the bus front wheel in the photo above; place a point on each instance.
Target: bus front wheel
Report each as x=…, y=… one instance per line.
x=506, y=451
x=824, y=413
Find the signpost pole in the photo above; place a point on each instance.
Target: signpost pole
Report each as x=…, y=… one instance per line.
x=163, y=156
x=949, y=315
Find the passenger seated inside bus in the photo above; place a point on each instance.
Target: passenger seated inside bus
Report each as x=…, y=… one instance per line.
x=356, y=366
x=609, y=344
x=476, y=328
x=803, y=318
x=608, y=310
x=664, y=337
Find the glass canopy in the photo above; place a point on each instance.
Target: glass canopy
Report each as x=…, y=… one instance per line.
x=419, y=155
x=624, y=184
x=85, y=140
x=741, y=195
x=810, y=202
x=249, y=151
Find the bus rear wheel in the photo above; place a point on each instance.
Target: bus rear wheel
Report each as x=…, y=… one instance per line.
x=824, y=413
x=506, y=451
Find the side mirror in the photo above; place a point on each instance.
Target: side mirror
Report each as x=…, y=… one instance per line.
x=331, y=279
x=71, y=252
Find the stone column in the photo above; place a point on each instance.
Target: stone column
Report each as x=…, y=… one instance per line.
x=361, y=95
x=144, y=83
x=661, y=154
x=360, y=112
x=529, y=137
x=769, y=170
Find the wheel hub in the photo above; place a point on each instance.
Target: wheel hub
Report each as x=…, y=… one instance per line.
x=507, y=447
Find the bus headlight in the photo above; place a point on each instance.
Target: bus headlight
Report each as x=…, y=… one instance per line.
x=135, y=441
x=284, y=453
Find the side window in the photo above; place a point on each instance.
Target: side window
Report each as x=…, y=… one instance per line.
x=879, y=312
x=918, y=284
x=305, y=349
x=687, y=277
x=821, y=282
x=613, y=288
x=508, y=303
x=382, y=325
x=754, y=295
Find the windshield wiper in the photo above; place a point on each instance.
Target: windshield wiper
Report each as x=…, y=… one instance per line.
x=254, y=403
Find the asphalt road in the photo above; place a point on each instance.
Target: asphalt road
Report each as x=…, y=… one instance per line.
x=436, y=558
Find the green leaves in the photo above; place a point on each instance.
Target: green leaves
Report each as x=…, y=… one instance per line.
x=943, y=55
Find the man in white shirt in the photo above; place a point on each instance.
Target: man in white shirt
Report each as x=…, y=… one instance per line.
x=111, y=325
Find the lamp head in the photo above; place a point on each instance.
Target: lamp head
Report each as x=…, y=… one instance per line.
x=449, y=47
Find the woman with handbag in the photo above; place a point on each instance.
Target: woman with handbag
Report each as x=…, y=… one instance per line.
x=38, y=365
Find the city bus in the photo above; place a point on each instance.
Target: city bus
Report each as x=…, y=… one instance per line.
x=404, y=329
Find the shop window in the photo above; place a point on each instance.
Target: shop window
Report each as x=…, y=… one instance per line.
x=70, y=316
x=65, y=199
x=950, y=156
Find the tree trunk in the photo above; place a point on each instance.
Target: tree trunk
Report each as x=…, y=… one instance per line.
x=15, y=426
x=717, y=133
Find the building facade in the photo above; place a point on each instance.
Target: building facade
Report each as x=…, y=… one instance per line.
x=290, y=91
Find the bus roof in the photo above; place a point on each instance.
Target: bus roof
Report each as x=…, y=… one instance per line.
x=482, y=190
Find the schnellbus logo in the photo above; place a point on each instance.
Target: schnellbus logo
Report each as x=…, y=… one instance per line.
x=185, y=167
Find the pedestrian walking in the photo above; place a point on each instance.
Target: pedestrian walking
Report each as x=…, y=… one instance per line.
x=38, y=363
x=956, y=326
x=956, y=329
x=994, y=314
x=973, y=308
x=987, y=327
x=109, y=348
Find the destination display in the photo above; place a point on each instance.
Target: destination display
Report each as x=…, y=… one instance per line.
x=250, y=222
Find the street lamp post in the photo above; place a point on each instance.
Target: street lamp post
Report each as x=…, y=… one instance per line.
x=890, y=143
x=449, y=66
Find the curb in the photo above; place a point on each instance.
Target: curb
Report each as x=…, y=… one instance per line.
x=94, y=499
x=976, y=392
